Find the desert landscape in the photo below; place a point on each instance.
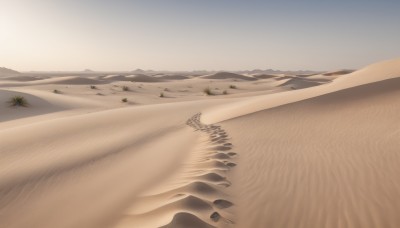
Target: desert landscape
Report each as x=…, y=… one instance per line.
x=199, y=114
x=178, y=149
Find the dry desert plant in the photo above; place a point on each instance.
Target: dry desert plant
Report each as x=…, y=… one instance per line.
x=18, y=101
x=208, y=91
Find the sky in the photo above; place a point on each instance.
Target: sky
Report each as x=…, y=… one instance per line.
x=197, y=35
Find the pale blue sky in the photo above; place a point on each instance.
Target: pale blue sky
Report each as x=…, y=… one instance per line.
x=197, y=35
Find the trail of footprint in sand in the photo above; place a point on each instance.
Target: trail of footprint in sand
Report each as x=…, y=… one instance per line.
x=197, y=198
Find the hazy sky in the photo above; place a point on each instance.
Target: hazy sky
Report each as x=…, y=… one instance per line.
x=197, y=35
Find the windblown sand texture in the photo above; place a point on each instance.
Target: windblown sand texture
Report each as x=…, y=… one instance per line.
x=286, y=151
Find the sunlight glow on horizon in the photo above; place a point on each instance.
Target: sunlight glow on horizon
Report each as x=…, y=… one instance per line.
x=191, y=35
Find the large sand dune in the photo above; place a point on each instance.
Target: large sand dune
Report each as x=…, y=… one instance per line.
x=329, y=161
x=257, y=153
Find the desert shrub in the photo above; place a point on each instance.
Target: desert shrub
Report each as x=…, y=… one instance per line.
x=93, y=87
x=161, y=94
x=124, y=100
x=232, y=87
x=208, y=91
x=18, y=101
x=125, y=88
x=225, y=92
x=56, y=91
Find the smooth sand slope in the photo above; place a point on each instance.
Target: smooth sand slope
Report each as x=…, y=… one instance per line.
x=330, y=161
x=265, y=153
x=80, y=171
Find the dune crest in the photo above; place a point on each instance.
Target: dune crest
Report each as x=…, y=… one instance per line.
x=372, y=73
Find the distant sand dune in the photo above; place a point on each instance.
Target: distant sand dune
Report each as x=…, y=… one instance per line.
x=173, y=77
x=22, y=78
x=375, y=72
x=264, y=76
x=66, y=80
x=144, y=78
x=116, y=78
x=339, y=72
x=76, y=80
x=299, y=83
x=227, y=75
x=284, y=77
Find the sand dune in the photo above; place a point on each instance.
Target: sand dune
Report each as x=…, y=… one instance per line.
x=117, y=78
x=299, y=83
x=173, y=77
x=315, y=151
x=67, y=80
x=284, y=77
x=227, y=75
x=73, y=172
x=264, y=76
x=375, y=72
x=144, y=78
x=7, y=72
x=75, y=80
x=22, y=78
x=328, y=161
x=322, y=78
x=133, y=78
x=339, y=72
x=36, y=106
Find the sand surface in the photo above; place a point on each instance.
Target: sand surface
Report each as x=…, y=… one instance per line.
x=329, y=161
x=258, y=151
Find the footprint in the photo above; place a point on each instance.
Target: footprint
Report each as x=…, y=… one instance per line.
x=221, y=156
x=226, y=184
x=232, y=154
x=213, y=177
x=223, y=148
x=221, y=203
x=215, y=216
